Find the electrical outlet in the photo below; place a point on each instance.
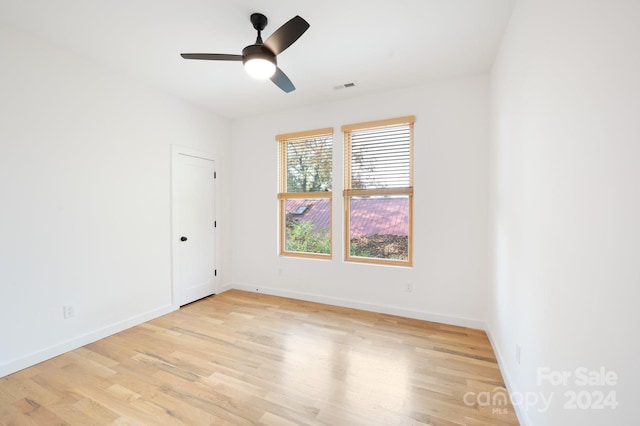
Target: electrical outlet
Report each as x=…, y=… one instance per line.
x=69, y=311
x=409, y=287
x=518, y=351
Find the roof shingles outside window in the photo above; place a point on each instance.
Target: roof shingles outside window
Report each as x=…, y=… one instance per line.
x=372, y=216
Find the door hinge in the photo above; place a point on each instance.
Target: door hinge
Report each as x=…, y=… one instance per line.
x=215, y=176
x=215, y=224
x=215, y=272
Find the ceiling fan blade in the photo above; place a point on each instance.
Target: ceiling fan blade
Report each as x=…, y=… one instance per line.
x=282, y=81
x=212, y=56
x=287, y=34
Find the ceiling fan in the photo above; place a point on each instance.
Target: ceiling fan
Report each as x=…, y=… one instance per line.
x=259, y=59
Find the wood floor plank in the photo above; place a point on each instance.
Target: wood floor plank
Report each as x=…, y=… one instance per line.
x=243, y=358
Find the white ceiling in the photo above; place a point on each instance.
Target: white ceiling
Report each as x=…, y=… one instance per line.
x=378, y=45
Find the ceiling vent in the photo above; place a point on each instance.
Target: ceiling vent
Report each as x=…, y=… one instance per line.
x=344, y=86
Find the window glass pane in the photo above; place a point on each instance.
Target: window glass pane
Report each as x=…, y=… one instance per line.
x=381, y=158
x=309, y=164
x=379, y=227
x=307, y=224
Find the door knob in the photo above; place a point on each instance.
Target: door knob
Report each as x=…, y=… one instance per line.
x=183, y=238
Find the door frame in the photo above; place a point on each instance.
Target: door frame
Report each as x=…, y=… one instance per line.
x=176, y=152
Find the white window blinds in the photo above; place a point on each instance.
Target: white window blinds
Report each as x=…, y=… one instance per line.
x=381, y=157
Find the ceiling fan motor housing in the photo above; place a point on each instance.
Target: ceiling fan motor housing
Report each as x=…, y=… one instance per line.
x=258, y=51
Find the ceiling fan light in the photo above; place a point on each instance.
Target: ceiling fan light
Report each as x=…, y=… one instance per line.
x=260, y=68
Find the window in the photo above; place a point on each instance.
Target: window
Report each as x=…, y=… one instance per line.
x=304, y=193
x=378, y=191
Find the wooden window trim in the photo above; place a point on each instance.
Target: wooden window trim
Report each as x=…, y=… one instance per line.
x=305, y=134
x=301, y=195
x=409, y=119
x=375, y=261
x=283, y=225
x=283, y=195
x=349, y=192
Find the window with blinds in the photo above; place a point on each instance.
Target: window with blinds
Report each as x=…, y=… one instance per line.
x=378, y=194
x=304, y=194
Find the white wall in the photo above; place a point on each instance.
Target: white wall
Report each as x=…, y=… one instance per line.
x=85, y=198
x=451, y=206
x=566, y=202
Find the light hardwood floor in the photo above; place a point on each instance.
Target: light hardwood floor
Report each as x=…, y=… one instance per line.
x=243, y=358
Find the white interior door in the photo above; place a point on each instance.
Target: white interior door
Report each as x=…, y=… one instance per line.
x=193, y=209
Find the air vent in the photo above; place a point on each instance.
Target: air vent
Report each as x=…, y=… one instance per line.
x=344, y=86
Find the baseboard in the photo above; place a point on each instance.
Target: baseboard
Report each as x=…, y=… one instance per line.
x=523, y=419
x=76, y=342
x=224, y=287
x=372, y=307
